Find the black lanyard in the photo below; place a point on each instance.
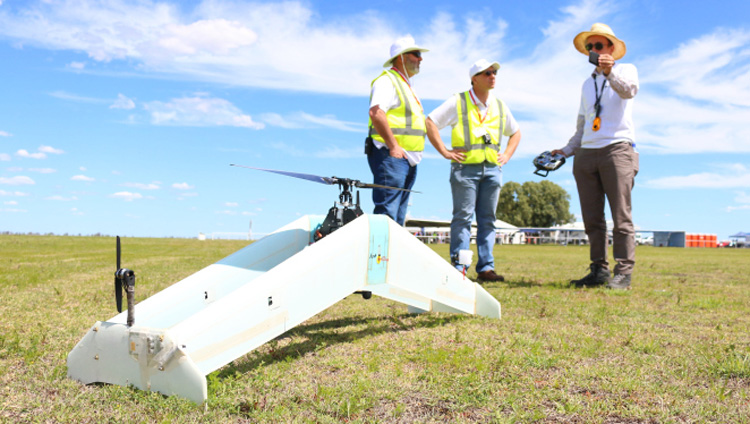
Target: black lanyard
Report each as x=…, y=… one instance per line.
x=598, y=103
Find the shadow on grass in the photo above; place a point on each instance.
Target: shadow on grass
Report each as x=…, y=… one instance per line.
x=324, y=334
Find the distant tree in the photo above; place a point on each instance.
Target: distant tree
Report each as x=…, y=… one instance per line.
x=542, y=204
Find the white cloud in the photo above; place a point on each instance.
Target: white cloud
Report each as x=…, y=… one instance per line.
x=13, y=193
x=226, y=212
x=4, y=157
x=17, y=180
x=82, y=169
x=199, y=111
x=711, y=68
x=729, y=176
x=246, y=44
x=333, y=152
x=182, y=186
x=127, y=196
x=75, y=211
x=43, y=170
x=742, y=197
x=13, y=210
x=40, y=154
x=231, y=204
x=61, y=198
x=50, y=149
x=78, y=66
x=25, y=154
x=122, y=102
x=64, y=95
x=11, y=203
x=81, y=178
x=149, y=186
x=303, y=120
x=214, y=37
x=704, y=83
x=5, y=134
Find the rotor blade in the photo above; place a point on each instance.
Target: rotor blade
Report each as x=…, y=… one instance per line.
x=367, y=185
x=308, y=177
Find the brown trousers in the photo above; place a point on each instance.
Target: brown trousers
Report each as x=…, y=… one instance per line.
x=609, y=171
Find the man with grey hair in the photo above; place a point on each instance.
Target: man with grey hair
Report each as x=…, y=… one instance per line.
x=395, y=140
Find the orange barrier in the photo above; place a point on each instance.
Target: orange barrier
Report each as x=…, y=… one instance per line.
x=701, y=240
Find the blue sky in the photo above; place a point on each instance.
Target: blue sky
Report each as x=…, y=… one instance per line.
x=122, y=117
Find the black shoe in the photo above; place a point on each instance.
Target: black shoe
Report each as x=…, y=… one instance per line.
x=597, y=277
x=620, y=282
x=489, y=275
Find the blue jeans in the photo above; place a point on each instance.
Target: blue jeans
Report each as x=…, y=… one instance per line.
x=476, y=189
x=391, y=172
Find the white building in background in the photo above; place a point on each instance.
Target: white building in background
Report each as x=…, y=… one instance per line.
x=438, y=231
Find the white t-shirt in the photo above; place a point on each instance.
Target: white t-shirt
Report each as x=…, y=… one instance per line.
x=383, y=94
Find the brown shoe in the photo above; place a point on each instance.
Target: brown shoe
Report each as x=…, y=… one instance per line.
x=489, y=275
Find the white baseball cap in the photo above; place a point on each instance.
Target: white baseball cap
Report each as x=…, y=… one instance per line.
x=480, y=65
x=403, y=45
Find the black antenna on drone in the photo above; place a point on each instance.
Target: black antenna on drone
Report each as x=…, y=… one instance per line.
x=125, y=279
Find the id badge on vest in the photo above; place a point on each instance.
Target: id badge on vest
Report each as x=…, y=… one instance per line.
x=482, y=134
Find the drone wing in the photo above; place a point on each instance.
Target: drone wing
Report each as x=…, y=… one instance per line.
x=308, y=177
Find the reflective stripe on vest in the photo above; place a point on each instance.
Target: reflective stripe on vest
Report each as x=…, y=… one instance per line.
x=469, y=118
x=406, y=119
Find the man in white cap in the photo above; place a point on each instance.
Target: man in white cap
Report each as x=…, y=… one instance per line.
x=395, y=140
x=479, y=121
x=606, y=161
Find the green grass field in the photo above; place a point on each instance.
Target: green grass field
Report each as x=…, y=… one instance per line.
x=676, y=348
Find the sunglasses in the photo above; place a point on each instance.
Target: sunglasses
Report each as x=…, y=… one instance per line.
x=415, y=53
x=596, y=46
x=490, y=72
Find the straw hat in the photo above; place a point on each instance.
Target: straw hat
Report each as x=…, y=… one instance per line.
x=480, y=65
x=604, y=31
x=402, y=45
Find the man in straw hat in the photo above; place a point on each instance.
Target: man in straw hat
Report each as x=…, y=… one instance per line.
x=479, y=121
x=606, y=161
x=395, y=140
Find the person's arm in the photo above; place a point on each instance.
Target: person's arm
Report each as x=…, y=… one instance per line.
x=380, y=123
x=574, y=142
x=443, y=116
x=503, y=158
x=433, y=134
x=623, y=79
x=511, y=130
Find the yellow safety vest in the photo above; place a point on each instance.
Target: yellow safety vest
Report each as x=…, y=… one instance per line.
x=469, y=118
x=406, y=120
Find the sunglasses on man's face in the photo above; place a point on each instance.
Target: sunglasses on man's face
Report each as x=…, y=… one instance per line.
x=596, y=46
x=415, y=53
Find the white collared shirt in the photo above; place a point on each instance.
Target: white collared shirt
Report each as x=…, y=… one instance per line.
x=616, y=109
